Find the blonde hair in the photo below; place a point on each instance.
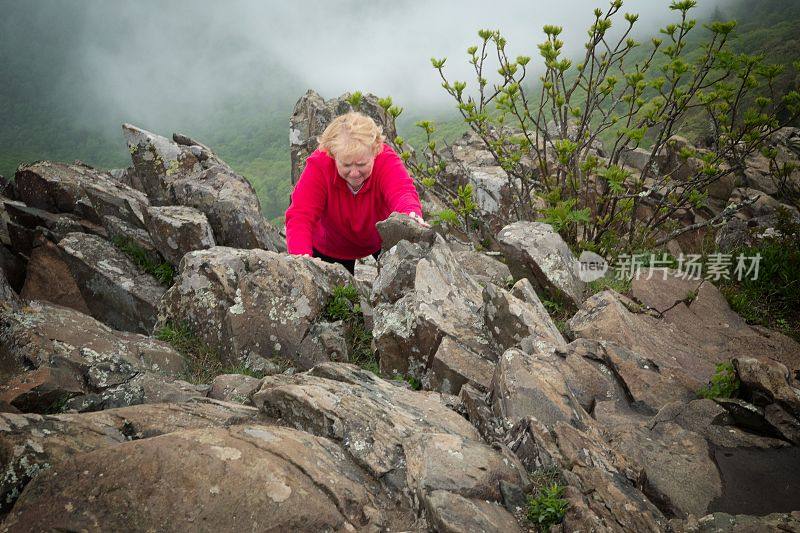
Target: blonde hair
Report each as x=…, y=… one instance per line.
x=351, y=133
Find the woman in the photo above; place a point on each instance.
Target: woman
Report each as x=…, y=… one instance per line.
x=351, y=182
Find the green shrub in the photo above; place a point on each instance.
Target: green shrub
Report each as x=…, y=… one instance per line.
x=724, y=383
x=344, y=306
x=163, y=272
x=548, y=507
x=203, y=363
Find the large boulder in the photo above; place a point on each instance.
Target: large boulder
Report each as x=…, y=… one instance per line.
x=436, y=298
x=115, y=290
x=534, y=250
x=252, y=477
x=251, y=304
x=30, y=443
x=685, y=327
x=76, y=359
x=312, y=114
x=176, y=230
x=410, y=440
x=184, y=172
x=49, y=278
x=230, y=203
x=88, y=193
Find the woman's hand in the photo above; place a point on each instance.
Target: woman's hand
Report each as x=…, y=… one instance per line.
x=418, y=219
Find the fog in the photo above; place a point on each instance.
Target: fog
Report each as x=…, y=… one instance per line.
x=151, y=59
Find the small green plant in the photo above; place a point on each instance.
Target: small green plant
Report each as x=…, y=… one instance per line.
x=548, y=507
x=724, y=383
x=622, y=286
x=163, y=272
x=344, y=306
x=203, y=363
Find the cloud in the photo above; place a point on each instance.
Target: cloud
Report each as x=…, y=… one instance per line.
x=157, y=60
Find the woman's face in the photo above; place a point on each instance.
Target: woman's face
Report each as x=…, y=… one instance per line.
x=355, y=168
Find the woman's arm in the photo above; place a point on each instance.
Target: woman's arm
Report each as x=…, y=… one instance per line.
x=398, y=187
x=308, y=202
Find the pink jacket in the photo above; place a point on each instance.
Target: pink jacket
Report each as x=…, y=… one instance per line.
x=325, y=214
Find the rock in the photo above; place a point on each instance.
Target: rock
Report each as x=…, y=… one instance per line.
x=113, y=287
x=207, y=477
x=57, y=224
x=78, y=189
x=312, y=114
x=14, y=267
x=8, y=297
x=42, y=335
x=243, y=302
x=535, y=251
x=410, y=440
x=681, y=476
x=49, y=278
x=740, y=523
x=484, y=268
x=766, y=382
x=689, y=340
x=324, y=342
x=234, y=388
x=479, y=413
x=452, y=513
x=521, y=322
x=637, y=158
x=442, y=301
x=371, y=417
x=455, y=365
x=42, y=390
x=123, y=234
x=619, y=375
x=30, y=443
x=178, y=229
x=600, y=488
x=156, y=161
x=401, y=227
x=398, y=270
x=531, y=385
x=713, y=422
x=231, y=206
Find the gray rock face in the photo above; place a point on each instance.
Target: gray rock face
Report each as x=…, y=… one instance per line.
x=304, y=483
x=601, y=491
x=177, y=230
x=311, y=116
x=689, y=339
x=681, y=475
x=92, y=355
x=483, y=268
x=189, y=174
x=535, y=251
x=49, y=278
x=121, y=232
x=408, y=439
x=7, y=294
x=231, y=206
x=251, y=302
x=531, y=385
x=114, y=289
x=443, y=300
x=234, y=388
x=78, y=189
x=401, y=227
x=31, y=443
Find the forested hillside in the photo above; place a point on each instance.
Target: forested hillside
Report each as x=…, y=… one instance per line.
x=39, y=120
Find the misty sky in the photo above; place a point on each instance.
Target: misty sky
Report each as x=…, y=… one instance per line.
x=151, y=57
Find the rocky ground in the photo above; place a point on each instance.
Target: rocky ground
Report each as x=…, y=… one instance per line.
x=480, y=399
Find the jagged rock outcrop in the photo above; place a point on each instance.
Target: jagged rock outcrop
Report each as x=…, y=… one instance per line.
x=686, y=331
x=411, y=441
x=78, y=362
x=251, y=304
x=177, y=230
x=31, y=443
x=184, y=172
x=114, y=289
x=537, y=252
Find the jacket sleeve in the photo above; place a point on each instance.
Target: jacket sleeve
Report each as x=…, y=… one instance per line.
x=308, y=202
x=398, y=187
